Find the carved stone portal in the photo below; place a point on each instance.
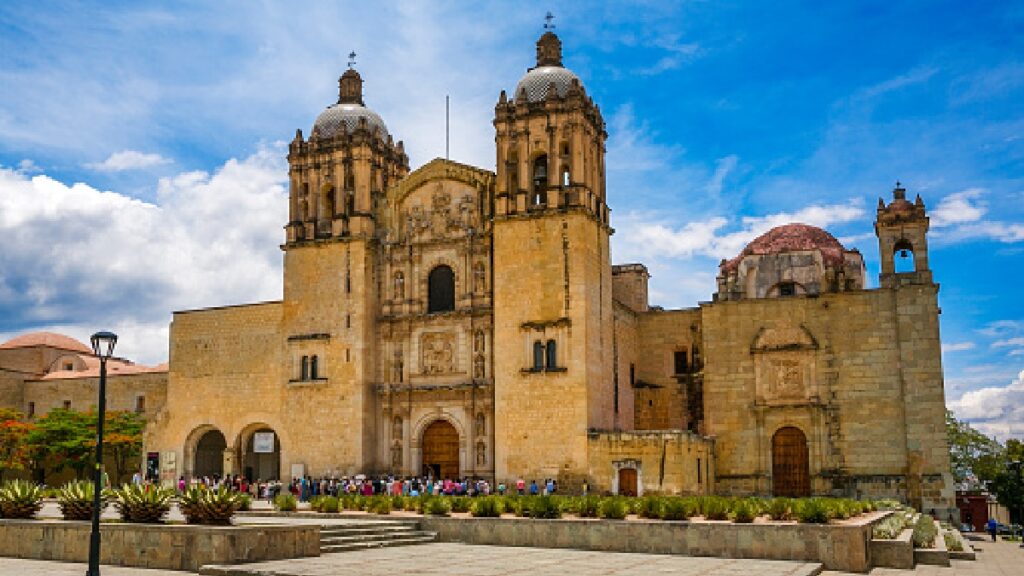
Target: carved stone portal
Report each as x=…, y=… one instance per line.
x=785, y=366
x=438, y=353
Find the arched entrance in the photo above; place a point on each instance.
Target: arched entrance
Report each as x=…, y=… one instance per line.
x=627, y=481
x=261, y=456
x=209, y=454
x=441, y=450
x=790, y=463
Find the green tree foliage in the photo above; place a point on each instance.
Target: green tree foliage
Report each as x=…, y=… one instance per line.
x=67, y=439
x=1008, y=484
x=972, y=452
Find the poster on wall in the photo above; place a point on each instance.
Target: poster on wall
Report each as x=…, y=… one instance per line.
x=263, y=442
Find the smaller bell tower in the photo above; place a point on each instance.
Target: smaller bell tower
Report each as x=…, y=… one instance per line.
x=902, y=228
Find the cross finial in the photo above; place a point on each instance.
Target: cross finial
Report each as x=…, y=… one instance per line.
x=548, y=25
x=351, y=59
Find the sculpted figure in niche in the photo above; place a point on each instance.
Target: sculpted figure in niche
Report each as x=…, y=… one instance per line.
x=396, y=428
x=438, y=353
x=479, y=278
x=480, y=422
x=481, y=454
x=478, y=368
x=396, y=456
x=478, y=341
x=399, y=286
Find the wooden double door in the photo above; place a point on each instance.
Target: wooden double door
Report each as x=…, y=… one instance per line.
x=441, y=450
x=791, y=475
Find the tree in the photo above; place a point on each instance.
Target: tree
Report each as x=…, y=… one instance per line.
x=14, y=454
x=974, y=457
x=62, y=439
x=1007, y=484
x=122, y=441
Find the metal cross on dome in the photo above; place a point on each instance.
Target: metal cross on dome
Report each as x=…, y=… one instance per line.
x=351, y=59
x=548, y=25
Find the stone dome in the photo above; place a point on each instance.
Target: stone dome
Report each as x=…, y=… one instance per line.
x=792, y=238
x=343, y=118
x=48, y=339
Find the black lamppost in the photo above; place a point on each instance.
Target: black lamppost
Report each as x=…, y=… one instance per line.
x=103, y=346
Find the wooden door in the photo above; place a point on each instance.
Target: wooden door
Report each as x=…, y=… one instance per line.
x=441, y=449
x=790, y=467
x=627, y=482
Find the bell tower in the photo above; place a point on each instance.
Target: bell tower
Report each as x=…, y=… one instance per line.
x=552, y=279
x=902, y=230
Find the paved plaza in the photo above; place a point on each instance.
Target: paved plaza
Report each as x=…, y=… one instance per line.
x=994, y=559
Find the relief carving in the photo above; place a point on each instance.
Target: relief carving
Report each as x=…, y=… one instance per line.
x=438, y=353
x=784, y=360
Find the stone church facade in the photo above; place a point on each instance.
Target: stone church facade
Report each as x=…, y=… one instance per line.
x=461, y=322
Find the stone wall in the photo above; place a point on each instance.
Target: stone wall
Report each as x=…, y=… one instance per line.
x=666, y=462
x=837, y=547
x=661, y=394
x=123, y=393
x=170, y=547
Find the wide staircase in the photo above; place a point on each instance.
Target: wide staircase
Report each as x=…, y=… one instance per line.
x=372, y=534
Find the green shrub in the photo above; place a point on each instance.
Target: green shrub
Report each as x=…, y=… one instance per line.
x=142, y=504
x=379, y=505
x=588, y=507
x=244, y=502
x=888, y=528
x=437, y=506
x=675, y=509
x=953, y=544
x=545, y=507
x=716, y=508
x=398, y=503
x=285, y=502
x=461, y=504
x=486, y=507
x=743, y=511
x=811, y=511
x=779, y=508
x=649, y=507
x=352, y=502
x=329, y=505
x=75, y=500
x=613, y=508
x=20, y=499
x=925, y=532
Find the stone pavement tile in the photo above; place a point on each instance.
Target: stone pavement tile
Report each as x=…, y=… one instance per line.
x=462, y=559
x=21, y=567
x=993, y=559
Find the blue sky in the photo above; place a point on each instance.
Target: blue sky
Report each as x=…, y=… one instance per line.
x=142, y=170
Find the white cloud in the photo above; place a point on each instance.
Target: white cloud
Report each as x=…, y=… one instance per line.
x=80, y=258
x=1009, y=343
x=958, y=208
x=960, y=216
x=128, y=160
x=958, y=347
x=995, y=410
x=722, y=169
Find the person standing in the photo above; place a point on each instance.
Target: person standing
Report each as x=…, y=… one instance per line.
x=993, y=526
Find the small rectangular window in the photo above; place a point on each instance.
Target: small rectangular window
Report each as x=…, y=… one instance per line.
x=140, y=404
x=67, y=404
x=698, y=471
x=632, y=375
x=680, y=362
x=787, y=289
x=69, y=367
x=304, y=372
x=31, y=409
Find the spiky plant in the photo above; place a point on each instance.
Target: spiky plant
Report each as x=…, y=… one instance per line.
x=20, y=499
x=189, y=504
x=75, y=500
x=219, y=506
x=142, y=504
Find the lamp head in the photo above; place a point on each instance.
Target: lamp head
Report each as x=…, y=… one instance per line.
x=103, y=344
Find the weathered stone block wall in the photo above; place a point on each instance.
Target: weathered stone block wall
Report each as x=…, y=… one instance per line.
x=170, y=547
x=661, y=396
x=667, y=462
x=629, y=286
x=625, y=351
x=83, y=393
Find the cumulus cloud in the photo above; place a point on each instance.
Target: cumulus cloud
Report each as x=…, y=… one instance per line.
x=128, y=160
x=958, y=208
x=961, y=216
x=995, y=410
x=79, y=257
x=958, y=346
x=1010, y=342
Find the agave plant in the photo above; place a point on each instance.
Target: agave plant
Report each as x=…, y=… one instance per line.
x=20, y=499
x=188, y=503
x=142, y=504
x=75, y=500
x=204, y=506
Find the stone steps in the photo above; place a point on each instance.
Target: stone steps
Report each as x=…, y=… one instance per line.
x=362, y=536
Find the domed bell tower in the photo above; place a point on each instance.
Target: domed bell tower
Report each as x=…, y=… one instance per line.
x=337, y=181
x=552, y=274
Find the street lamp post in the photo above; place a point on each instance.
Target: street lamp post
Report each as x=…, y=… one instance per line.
x=103, y=346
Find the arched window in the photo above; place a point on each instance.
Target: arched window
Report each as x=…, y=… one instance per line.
x=552, y=355
x=329, y=200
x=565, y=175
x=399, y=286
x=314, y=367
x=441, y=290
x=540, y=178
x=304, y=372
x=903, y=257
x=538, y=355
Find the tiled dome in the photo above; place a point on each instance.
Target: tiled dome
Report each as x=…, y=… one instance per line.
x=49, y=339
x=792, y=238
x=343, y=118
x=537, y=81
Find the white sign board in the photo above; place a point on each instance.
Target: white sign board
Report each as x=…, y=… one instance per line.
x=263, y=442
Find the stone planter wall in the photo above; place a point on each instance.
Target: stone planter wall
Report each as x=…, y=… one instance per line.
x=172, y=547
x=898, y=553
x=837, y=547
x=937, y=556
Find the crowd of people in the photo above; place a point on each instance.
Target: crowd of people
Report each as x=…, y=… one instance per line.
x=307, y=487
